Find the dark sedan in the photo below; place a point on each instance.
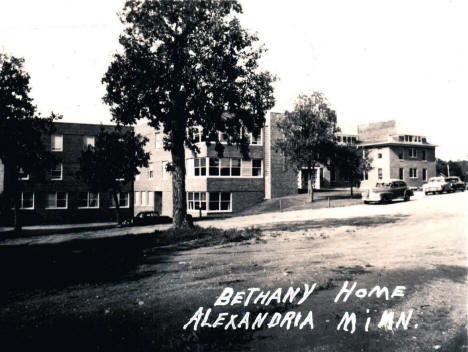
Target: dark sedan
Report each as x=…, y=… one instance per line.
x=148, y=218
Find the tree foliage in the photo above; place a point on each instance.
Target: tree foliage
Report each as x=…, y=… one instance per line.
x=22, y=130
x=307, y=134
x=113, y=162
x=352, y=161
x=456, y=168
x=185, y=65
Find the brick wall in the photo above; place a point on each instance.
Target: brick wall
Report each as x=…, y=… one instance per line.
x=73, y=135
x=281, y=177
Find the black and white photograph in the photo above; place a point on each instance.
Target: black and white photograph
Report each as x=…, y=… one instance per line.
x=234, y=175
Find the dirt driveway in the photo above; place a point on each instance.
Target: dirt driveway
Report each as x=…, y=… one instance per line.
x=421, y=245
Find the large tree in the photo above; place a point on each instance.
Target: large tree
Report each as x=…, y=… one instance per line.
x=307, y=135
x=113, y=162
x=21, y=134
x=353, y=163
x=187, y=65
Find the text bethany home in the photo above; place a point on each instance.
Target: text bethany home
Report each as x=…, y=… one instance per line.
x=214, y=185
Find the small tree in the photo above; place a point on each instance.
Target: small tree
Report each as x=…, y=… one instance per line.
x=307, y=134
x=113, y=162
x=352, y=161
x=186, y=65
x=21, y=134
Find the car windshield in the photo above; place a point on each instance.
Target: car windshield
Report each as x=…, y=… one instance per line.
x=451, y=179
x=436, y=179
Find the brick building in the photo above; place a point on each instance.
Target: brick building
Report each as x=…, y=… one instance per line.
x=396, y=154
x=213, y=185
x=60, y=198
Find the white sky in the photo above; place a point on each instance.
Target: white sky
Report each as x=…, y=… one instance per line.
x=374, y=60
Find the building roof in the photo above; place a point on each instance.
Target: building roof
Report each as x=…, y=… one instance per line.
x=396, y=144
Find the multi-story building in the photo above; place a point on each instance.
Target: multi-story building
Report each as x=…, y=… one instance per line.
x=61, y=198
x=396, y=154
x=215, y=185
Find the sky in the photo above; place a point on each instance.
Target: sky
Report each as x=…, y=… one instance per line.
x=374, y=60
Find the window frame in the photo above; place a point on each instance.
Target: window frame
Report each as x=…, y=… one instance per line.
x=415, y=176
x=56, y=201
x=85, y=144
x=379, y=174
x=412, y=153
x=21, y=200
x=52, y=144
x=88, y=197
x=192, y=202
x=118, y=199
x=61, y=173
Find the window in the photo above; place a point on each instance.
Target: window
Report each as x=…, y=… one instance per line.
x=151, y=198
x=225, y=167
x=198, y=135
x=219, y=201
x=423, y=155
x=88, y=200
x=214, y=167
x=23, y=176
x=150, y=172
x=56, y=143
x=379, y=173
x=257, y=140
x=57, y=172
x=165, y=173
x=144, y=198
x=199, y=166
x=413, y=172
x=366, y=175
x=400, y=173
x=137, y=198
x=235, y=167
x=196, y=200
x=257, y=167
x=57, y=200
x=400, y=155
x=26, y=200
x=401, y=138
x=123, y=199
x=246, y=167
x=157, y=140
x=379, y=155
x=424, y=175
x=412, y=153
x=88, y=141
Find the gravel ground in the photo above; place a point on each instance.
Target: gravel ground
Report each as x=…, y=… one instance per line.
x=420, y=244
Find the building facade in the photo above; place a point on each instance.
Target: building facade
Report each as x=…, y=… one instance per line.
x=215, y=185
x=396, y=154
x=60, y=197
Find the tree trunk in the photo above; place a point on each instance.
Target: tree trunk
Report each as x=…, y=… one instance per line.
x=310, y=186
x=11, y=190
x=16, y=217
x=117, y=207
x=179, y=198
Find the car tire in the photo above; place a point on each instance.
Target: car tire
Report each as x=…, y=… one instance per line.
x=426, y=193
x=366, y=202
x=407, y=197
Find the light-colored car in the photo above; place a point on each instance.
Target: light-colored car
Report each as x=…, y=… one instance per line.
x=436, y=185
x=385, y=192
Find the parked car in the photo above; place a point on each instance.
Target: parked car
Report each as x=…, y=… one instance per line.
x=436, y=185
x=455, y=183
x=385, y=192
x=148, y=218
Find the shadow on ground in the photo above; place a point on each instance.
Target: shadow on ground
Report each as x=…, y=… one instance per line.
x=154, y=328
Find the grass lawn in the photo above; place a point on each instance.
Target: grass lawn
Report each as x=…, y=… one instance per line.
x=338, y=198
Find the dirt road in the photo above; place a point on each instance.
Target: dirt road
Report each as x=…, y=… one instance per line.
x=421, y=245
